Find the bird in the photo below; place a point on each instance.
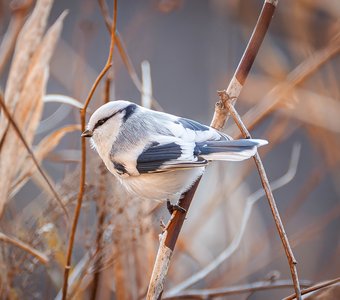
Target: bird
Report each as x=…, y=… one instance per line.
x=156, y=155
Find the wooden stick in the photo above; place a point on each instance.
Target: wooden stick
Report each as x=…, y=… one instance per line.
x=170, y=234
x=227, y=102
x=314, y=288
x=234, y=290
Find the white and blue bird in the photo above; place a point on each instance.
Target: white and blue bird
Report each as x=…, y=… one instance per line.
x=156, y=155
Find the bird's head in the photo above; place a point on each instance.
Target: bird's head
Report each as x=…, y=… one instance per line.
x=106, y=121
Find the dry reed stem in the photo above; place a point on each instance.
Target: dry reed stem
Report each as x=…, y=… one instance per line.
x=31, y=153
x=295, y=78
x=27, y=43
x=45, y=146
x=312, y=230
x=19, y=13
x=63, y=99
x=83, y=157
x=25, y=106
x=169, y=236
x=314, y=288
x=233, y=246
x=238, y=289
x=226, y=102
x=27, y=248
x=276, y=131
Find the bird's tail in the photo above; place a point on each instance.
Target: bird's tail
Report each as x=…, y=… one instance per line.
x=232, y=150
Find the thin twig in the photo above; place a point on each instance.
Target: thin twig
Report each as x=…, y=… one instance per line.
x=233, y=246
x=275, y=132
x=31, y=153
x=14, y=241
x=315, y=287
x=247, y=60
x=169, y=237
x=101, y=208
x=281, y=91
x=226, y=102
x=238, y=289
x=83, y=156
x=124, y=55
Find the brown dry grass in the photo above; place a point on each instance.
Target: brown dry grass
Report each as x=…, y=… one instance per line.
x=292, y=95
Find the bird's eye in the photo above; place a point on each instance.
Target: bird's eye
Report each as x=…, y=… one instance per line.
x=101, y=122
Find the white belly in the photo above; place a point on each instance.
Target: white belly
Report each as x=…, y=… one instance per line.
x=162, y=186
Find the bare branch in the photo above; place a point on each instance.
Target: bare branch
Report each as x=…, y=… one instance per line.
x=169, y=237
x=14, y=241
x=295, y=78
x=233, y=246
x=247, y=60
x=315, y=287
x=238, y=289
x=226, y=102
x=83, y=157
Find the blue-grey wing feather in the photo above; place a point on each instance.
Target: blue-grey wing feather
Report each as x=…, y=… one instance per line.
x=165, y=157
x=193, y=125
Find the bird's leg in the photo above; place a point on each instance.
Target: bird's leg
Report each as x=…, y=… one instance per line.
x=172, y=207
x=163, y=226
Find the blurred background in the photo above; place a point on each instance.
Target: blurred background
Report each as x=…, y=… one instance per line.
x=291, y=98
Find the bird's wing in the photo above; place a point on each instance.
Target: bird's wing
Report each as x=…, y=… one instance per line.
x=164, y=157
x=187, y=129
x=230, y=150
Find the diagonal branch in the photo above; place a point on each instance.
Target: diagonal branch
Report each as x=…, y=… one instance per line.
x=234, y=290
x=315, y=287
x=169, y=237
x=233, y=246
x=31, y=153
x=226, y=102
x=14, y=241
x=247, y=60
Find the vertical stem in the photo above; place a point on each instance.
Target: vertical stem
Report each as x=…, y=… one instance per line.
x=172, y=230
x=83, y=155
x=266, y=186
x=77, y=209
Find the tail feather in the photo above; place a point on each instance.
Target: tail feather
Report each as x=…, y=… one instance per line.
x=233, y=150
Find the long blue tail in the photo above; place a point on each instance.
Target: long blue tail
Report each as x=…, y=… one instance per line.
x=232, y=150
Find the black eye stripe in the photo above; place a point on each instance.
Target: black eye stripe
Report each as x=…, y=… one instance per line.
x=128, y=111
x=102, y=121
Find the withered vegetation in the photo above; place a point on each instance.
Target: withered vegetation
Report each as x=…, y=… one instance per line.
x=68, y=230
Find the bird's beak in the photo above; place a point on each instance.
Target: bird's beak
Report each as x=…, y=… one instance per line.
x=87, y=133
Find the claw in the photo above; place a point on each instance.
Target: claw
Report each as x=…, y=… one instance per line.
x=174, y=207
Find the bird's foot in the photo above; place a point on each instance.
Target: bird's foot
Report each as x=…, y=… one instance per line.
x=174, y=207
x=162, y=224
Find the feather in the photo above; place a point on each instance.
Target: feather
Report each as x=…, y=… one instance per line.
x=166, y=157
x=233, y=150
